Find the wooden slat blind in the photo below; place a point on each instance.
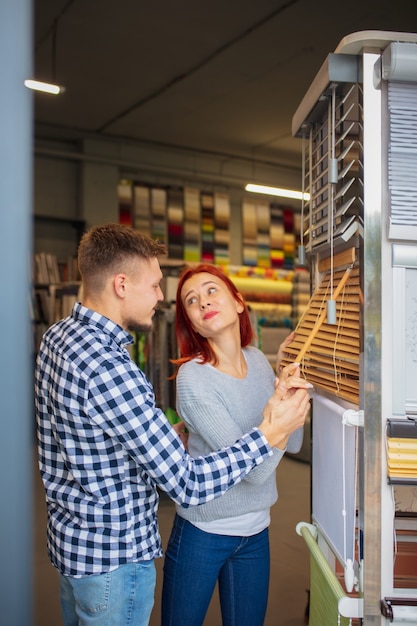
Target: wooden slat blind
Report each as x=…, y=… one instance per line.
x=329, y=353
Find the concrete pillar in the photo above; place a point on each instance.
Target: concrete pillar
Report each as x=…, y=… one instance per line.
x=16, y=352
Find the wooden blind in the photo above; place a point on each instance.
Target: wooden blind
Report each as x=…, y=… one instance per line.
x=329, y=353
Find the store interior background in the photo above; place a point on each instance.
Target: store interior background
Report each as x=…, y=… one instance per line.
x=178, y=94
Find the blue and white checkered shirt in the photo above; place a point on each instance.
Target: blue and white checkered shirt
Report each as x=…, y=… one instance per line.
x=104, y=447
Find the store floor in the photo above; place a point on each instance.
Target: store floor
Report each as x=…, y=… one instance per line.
x=289, y=555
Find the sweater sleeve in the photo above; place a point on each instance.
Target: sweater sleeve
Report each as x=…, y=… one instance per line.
x=201, y=405
x=295, y=441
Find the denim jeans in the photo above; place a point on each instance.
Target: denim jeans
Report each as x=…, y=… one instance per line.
x=195, y=560
x=123, y=597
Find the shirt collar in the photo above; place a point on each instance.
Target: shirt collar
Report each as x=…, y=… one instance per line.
x=87, y=316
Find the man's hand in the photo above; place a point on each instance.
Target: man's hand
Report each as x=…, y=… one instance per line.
x=282, y=417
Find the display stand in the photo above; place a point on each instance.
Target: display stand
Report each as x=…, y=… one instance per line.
x=359, y=124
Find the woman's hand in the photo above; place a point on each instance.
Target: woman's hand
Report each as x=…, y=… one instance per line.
x=289, y=380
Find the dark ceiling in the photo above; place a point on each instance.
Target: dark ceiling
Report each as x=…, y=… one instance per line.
x=223, y=77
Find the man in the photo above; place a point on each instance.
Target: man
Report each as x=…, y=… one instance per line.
x=104, y=446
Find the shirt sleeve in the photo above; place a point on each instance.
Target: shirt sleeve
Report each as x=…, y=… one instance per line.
x=120, y=401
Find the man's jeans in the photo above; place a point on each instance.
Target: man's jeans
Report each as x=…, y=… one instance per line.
x=123, y=597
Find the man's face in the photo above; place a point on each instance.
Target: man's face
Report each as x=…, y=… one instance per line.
x=144, y=293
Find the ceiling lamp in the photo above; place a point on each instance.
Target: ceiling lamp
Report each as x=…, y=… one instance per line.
x=277, y=191
x=51, y=88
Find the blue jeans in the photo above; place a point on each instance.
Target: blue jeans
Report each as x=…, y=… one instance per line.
x=123, y=597
x=196, y=560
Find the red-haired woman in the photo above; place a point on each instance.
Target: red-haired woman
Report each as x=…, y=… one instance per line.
x=223, y=383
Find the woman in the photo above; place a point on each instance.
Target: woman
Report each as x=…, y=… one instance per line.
x=222, y=385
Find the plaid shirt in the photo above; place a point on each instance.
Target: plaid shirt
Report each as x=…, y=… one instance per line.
x=104, y=447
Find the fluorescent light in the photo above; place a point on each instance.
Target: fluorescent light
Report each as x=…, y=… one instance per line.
x=276, y=191
x=45, y=87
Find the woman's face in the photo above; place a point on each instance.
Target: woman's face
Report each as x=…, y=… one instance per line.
x=209, y=304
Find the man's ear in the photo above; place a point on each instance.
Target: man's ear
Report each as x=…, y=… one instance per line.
x=120, y=284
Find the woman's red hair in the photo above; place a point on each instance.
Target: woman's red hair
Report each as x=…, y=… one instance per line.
x=190, y=343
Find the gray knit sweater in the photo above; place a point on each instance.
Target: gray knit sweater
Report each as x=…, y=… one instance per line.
x=218, y=409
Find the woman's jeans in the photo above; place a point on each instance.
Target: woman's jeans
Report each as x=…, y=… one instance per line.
x=195, y=560
x=123, y=597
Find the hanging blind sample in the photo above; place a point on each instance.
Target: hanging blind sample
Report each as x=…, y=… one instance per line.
x=326, y=590
x=141, y=217
x=249, y=229
x=159, y=214
x=221, y=228
x=125, y=197
x=329, y=353
x=348, y=153
x=277, y=236
x=263, y=237
x=402, y=451
x=333, y=487
x=175, y=219
x=207, y=227
x=268, y=235
x=402, y=159
x=404, y=333
x=192, y=229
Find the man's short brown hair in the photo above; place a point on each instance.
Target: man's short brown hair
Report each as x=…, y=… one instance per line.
x=109, y=249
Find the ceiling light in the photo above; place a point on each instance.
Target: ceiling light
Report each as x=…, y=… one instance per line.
x=276, y=191
x=53, y=87
x=36, y=85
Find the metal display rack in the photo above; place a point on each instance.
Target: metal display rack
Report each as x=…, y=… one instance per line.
x=358, y=124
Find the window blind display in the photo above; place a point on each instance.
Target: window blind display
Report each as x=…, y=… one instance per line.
x=221, y=228
x=402, y=451
x=192, y=231
x=326, y=590
x=196, y=225
x=207, y=227
x=269, y=235
x=329, y=352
